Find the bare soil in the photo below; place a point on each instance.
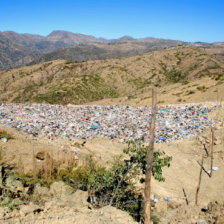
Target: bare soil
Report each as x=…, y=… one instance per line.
x=182, y=174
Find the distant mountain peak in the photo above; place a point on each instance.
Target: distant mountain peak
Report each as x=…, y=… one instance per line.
x=70, y=38
x=126, y=38
x=59, y=32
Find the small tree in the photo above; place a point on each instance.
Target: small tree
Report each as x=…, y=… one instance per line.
x=137, y=152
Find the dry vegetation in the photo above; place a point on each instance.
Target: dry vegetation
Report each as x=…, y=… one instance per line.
x=5, y=134
x=182, y=72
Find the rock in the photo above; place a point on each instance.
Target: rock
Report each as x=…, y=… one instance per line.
x=80, y=197
x=161, y=206
x=218, y=141
x=172, y=205
x=42, y=192
x=60, y=190
x=54, y=204
x=27, y=209
x=76, y=144
x=41, y=155
x=49, y=205
x=115, y=215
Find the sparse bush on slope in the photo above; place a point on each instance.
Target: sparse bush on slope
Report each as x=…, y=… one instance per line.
x=114, y=186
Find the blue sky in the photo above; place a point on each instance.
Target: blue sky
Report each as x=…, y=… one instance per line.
x=188, y=20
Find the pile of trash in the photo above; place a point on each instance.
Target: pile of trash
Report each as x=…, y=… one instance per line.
x=123, y=123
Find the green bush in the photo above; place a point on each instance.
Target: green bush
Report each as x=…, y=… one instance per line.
x=219, y=76
x=138, y=152
x=114, y=186
x=174, y=76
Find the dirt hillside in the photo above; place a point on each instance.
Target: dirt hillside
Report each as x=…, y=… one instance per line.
x=60, y=204
x=183, y=173
x=182, y=74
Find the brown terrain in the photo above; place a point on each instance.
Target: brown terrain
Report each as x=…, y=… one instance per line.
x=182, y=74
x=17, y=50
x=68, y=207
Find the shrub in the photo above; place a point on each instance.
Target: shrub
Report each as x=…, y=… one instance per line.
x=201, y=88
x=190, y=92
x=185, y=82
x=219, y=76
x=138, y=153
x=174, y=76
x=114, y=186
x=68, y=62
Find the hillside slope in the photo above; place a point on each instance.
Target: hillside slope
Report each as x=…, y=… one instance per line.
x=18, y=50
x=66, y=82
x=123, y=47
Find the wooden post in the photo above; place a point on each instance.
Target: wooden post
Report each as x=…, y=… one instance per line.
x=34, y=165
x=211, y=150
x=46, y=164
x=206, y=150
x=51, y=164
x=185, y=196
x=150, y=160
x=199, y=181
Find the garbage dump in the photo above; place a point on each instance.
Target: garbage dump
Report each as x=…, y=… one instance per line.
x=123, y=123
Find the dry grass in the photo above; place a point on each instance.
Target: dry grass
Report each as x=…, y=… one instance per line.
x=78, y=83
x=5, y=134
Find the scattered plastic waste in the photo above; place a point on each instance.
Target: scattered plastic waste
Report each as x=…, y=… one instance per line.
x=4, y=139
x=37, y=185
x=161, y=138
x=64, y=134
x=94, y=200
x=168, y=199
x=173, y=122
x=154, y=198
x=215, y=168
x=71, y=180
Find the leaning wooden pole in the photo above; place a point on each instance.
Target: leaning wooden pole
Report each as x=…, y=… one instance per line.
x=199, y=181
x=34, y=165
x=211, y=151
x=150, y=159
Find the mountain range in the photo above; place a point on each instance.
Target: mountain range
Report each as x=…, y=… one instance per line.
x=17, y=50
x=64, y=68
